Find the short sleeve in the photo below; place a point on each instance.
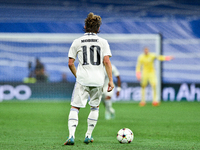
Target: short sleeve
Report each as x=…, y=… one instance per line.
x=106, y=48
x=73, y=51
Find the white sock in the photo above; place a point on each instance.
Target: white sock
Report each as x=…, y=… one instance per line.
x=92, y=121
x=72, y=121
x=107, y=115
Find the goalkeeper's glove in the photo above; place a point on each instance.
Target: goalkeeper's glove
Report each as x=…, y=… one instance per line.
x=138, y=75
x=168, y=58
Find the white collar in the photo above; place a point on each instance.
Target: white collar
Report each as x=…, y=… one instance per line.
x=90, y=33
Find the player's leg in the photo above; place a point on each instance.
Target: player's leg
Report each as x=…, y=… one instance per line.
x=104, y=98
x=92, y=121
x=109, y=110
x=154, y=92
x=78, y=101
x=95, y=99
x=72, y=124
x=144, y=82
x=143, y=96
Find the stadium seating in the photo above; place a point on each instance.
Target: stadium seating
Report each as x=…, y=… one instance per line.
x=177, y=22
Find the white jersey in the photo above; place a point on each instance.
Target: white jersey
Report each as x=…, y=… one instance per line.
x=115, y=72
x=91, y=50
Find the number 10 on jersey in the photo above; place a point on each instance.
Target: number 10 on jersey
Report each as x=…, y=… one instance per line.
x=94, y=55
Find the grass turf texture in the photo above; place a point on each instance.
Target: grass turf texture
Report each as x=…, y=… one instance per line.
x=43, y=125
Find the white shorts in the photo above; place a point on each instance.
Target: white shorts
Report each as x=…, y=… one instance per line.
x=82, y=93
x=106, y=93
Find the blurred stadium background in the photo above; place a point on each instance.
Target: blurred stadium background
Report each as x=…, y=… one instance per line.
x=177, y=21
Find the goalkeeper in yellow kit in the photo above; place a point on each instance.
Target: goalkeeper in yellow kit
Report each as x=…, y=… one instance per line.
x=145, y=73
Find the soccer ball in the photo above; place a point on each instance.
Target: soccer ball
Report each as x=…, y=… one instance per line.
x=125, y=135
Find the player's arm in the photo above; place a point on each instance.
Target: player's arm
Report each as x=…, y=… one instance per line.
x=108, y=68
x=116, y=73
x=118, y=85
x=72, y=66
x=165, y=58
x=138, y=69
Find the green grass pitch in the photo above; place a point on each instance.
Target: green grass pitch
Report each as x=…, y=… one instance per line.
x=42, y=125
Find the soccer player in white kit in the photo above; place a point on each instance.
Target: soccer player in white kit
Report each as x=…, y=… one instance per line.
x=93, y=54
x=106, y=97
